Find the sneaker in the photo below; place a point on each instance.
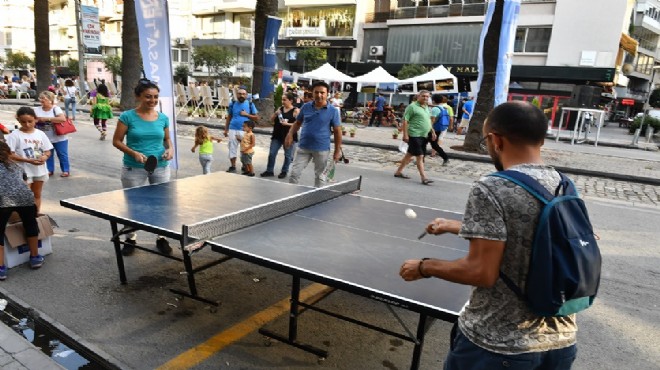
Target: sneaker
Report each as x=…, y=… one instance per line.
x=445, y=162
x=163, y=246
x=3, y=272
x=103, y=134
x=129, y=247
x=231, y=169
x=281, y=175
x=249, y=174
x=36, y=261
x=267, y=174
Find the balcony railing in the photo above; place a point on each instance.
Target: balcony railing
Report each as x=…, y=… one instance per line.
x=246, y=33
x=436, y=11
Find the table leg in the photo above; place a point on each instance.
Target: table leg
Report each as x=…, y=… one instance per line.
x=120, y=257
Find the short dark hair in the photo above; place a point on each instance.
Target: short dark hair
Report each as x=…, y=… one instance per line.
x=308, y=95
x=68, y=83
x=436, y=98
x=22, y=111
x=519, y=121
x=321, y=83
x=103, y=90
x=289, y=95
x=144, y=84
x=249, y=124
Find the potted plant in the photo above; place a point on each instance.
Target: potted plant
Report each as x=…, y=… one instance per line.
x=343, y=130
x=352, y=131
x=395, y=134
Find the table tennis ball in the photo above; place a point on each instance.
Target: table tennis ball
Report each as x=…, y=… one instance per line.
x=410, y=213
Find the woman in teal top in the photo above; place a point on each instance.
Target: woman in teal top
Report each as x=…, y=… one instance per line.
x=147, y=133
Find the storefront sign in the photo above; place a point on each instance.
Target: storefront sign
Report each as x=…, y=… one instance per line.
x=316, y=43
x=305, y=32
x=627, y=102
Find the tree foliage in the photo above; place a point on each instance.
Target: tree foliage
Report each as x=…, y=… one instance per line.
x=113, y=64
x=654, y=100
x=73, y=65
x=411, y=70
x=215, y=58
x=181, y=73
x=313, y=57
x=18, y=60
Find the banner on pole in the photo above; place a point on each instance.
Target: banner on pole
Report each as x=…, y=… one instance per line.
x=91, y=30
x=154, y=34
x=270, y=55
x=505, y=51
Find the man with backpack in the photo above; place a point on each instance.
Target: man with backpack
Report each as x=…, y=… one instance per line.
x=240, y=111
x=442, y=117
x=503, y=324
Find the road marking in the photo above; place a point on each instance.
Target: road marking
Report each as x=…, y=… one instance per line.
x=201, y=352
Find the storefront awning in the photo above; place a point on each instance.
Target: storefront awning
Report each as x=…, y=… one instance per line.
x=628, y=44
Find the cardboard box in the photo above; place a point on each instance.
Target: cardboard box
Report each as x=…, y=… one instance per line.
x=16, y=249
x=21, y=254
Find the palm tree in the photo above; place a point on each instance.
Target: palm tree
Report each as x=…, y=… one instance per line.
x=42, y=44
x=486, y=95
x=263, y=9
x=131, y=61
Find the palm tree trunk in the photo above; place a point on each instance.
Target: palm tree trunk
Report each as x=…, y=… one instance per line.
x=42, y=45
x=263, y=9
x=131, y=61
x=486, y=95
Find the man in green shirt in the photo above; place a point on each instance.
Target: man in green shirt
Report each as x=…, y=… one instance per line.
x=416, y=128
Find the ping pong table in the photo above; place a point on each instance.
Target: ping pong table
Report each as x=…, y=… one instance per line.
x=329, y=235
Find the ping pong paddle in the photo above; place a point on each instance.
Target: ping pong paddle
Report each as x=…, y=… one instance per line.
x=150, y=164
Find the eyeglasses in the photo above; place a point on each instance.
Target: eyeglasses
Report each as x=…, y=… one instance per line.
x=482, y=142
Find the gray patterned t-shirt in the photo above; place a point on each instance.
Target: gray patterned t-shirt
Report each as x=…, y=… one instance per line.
x=14, y=193
x=496, y=319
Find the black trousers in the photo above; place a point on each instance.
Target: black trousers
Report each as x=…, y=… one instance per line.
x=28, y=216
x=436, y=146
x=375, y=113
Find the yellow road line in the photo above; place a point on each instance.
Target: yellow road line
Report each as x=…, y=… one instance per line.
x=223, y=339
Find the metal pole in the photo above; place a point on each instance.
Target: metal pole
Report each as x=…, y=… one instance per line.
x=81, y=51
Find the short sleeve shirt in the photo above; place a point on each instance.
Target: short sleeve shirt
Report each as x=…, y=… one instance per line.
x=46, y=127
x=469, y=107
x=30, y=145
x=316, y=124
x=146, y=137
x=419, y=120
x=496, y=318
x=235, y=108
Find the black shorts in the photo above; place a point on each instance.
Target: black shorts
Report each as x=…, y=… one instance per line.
x=416, y=145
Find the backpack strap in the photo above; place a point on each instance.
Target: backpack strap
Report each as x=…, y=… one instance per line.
x=528, y=183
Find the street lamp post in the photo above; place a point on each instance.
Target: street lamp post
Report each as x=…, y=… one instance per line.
x=81, y=51
x=646, y=106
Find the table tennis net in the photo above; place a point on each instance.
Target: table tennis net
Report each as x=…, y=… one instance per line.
x=225, y=224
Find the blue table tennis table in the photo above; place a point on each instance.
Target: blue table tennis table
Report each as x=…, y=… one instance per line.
x=330, y=236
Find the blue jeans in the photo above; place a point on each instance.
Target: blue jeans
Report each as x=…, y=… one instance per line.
x=275, y=145
x=70, y=102
x=465, y=355
x=205, y=160
x=62, y=150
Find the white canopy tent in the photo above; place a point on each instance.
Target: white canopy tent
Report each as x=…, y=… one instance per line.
x=443, y=80
x=327, y=72
x=378, y=75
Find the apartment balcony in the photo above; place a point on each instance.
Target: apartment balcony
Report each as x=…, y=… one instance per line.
x=455, y=9
x=111, y=39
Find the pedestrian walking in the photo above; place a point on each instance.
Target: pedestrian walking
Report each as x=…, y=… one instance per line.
x=69, y=91
x=442, y=117
x=416, y=129
x=204, y=140
x=47, y=114
x=101, y=109
x=379, y=108
x=240, y=111
x=315, y=120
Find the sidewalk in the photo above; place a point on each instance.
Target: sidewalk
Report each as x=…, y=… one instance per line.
x=615, y=157
x=16, y=353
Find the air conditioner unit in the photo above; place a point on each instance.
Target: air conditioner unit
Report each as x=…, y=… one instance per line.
x=180, y=40
x=376, y=51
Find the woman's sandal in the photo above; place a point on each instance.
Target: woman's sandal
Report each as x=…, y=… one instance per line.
x=401, y=176
x=427, y=182
x=64, y=174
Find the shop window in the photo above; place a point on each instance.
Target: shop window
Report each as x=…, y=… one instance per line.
x=532, y=40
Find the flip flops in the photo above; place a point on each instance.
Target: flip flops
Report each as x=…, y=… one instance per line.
x=427, y=182
x=401, y=176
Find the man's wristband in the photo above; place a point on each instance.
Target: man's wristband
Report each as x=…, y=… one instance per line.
x=420, y=266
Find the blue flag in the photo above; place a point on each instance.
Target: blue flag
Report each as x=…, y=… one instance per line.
x=505, y=54
x=154, y=32
x=270, y=55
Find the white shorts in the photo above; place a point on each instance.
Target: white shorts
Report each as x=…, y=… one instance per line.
x=234, y=143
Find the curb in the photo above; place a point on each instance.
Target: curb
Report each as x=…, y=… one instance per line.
x=482, y=158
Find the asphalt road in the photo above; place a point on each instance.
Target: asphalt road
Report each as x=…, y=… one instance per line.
x=143, y=326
